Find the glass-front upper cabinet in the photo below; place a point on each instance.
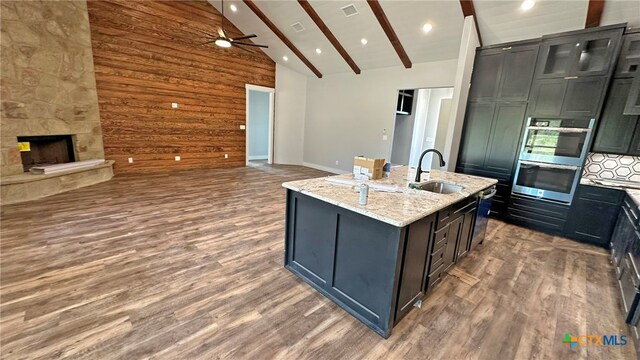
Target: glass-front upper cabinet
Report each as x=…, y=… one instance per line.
x=629, y=61
x=577, y=55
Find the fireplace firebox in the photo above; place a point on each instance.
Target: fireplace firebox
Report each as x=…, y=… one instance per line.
x=45, y=150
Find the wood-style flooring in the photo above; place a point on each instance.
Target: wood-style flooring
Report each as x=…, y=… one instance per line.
x=189, y=265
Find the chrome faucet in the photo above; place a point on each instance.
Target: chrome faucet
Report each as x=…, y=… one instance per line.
x=419, y=169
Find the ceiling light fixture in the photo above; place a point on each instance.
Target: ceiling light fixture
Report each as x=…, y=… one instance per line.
x=427, y=27
x=285, y=58
x=364, y=41
x=233, y=8
x=318, y=51
x=224, y=43
x=527, y=5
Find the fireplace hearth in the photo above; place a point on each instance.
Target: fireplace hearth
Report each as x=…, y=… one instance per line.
x=45, y=150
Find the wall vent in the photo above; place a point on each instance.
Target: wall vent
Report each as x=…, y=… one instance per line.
x=349, y=10
x=297, y=27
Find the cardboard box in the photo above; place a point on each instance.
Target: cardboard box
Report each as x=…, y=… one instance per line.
x=371, y=168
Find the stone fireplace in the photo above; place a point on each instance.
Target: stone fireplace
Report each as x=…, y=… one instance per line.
x=48, y=98
x=45, y=150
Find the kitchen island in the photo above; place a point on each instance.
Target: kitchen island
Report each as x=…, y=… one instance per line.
x=377, y=261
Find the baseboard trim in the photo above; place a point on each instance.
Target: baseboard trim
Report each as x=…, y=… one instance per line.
x=324, y=168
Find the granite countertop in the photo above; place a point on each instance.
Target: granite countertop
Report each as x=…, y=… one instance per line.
x=400, y=206
x=631, y=188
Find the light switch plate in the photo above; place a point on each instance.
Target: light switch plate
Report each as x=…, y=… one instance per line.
x=178, y=158
x=385, y=137
x=243, y=127
x=226, y=156
x=130, y=160
x=174, y=105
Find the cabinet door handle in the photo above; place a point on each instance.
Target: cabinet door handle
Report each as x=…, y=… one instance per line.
x=506, y=48
x=570, y=77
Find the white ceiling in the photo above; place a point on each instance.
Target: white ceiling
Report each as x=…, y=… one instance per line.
x=499, y=21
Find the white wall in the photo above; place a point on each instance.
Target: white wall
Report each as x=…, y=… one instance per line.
x=433, y=124
x=402, y=134
x=290, y=100
x=258, y=125
x=466, y=57
x=347, y=114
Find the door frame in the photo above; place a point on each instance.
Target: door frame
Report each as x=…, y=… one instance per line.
x=271, y=92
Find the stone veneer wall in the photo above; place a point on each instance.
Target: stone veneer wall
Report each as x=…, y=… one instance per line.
x=48, y=81
x=612, y=166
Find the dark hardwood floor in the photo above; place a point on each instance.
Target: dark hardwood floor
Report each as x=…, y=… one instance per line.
x=189, y=265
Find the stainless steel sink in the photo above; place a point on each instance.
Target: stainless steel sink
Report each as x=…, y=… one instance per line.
x=437, y=187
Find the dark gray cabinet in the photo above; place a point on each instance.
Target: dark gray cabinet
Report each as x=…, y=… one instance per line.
x=487, y=70
x=593, y=214
x=491, y=136
x=476, y=134
x=466, y=232
x=414, y=264
x=629, y=61
x=632, y=107
x=569, y=98
x=615, y=130
x=582, y=53
x=503, y=73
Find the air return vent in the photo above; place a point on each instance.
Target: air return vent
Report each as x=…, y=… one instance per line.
x=349, y=10
x=297, y=27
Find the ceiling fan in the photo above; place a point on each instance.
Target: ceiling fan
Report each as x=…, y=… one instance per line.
x=224, y=41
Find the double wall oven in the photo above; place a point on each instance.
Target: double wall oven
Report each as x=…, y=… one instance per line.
x=551, y=158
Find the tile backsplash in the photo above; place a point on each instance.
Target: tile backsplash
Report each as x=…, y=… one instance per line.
x=610, y=166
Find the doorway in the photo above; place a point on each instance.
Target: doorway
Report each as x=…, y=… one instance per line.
x=259, y=125
x=421, y=122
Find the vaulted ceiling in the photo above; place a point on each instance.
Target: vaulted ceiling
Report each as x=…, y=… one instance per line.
x=498, y=21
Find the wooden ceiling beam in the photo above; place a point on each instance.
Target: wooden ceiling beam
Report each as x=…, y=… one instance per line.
x=388, y=30
x=594, y=13
x=281, y=35
x=332, y=39
x=469, y=10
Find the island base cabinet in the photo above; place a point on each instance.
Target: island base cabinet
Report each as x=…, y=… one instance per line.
x=375, y=271
x=352, y=259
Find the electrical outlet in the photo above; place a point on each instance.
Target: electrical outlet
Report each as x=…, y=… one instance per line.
x=174, y=105
x=226, y=156
x=337, y=162
x=385, y=137
x=130, y=160
x=243, y=127
x=178, y=158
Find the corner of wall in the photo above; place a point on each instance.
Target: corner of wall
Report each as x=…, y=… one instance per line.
x=466, y=57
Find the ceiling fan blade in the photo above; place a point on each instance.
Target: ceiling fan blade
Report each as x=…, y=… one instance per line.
x=247, y=50
x=221, y=32
x=245, y=37
x=247, y=44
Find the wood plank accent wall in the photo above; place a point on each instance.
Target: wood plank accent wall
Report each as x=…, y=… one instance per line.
x=147, y=55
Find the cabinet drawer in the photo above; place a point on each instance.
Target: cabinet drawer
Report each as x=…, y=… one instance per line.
x=440, y=240
x=444, y=218
x=611, y=196
x=540, y=207
x=633, y=210
x=437, y=259
x=435, y=278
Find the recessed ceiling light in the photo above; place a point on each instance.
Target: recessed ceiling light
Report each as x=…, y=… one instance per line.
x=527, y=5
x=318, y=51
x=285, y=58
x=364, y=41
x=233, y=8
x=427, y=27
